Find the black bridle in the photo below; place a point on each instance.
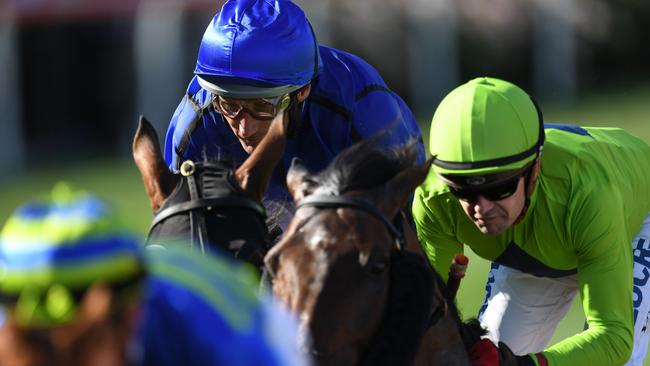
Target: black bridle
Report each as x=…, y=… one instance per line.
x=324, y=201
x=198, y=204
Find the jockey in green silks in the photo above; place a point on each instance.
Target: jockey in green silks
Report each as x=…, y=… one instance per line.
x=573, y=219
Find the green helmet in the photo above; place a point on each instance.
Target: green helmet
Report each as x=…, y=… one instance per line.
x=52, y=250
x=484, y=127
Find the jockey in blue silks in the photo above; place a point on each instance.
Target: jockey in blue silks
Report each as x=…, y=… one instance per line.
x=180, y=308
x=256, y=55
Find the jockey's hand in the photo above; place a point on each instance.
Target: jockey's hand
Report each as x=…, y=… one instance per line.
x=486, y=353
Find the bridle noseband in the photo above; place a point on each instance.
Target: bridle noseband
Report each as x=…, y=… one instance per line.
x=324, y=201
x=199, y=204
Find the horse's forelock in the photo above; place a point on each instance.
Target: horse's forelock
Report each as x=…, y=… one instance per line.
x=365, y=165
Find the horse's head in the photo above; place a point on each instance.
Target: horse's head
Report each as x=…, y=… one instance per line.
x=335, y=264
x=209, y=202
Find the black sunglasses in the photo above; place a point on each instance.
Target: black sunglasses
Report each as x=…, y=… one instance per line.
x=495, y=193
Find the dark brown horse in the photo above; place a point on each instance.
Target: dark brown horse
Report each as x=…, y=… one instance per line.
x=210, y=203
x=355, y=276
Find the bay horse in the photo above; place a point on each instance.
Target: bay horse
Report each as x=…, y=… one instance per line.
x=358, y=280
x=210, y=204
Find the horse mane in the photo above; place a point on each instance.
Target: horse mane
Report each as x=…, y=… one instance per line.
x=408, y=313
x=275, y=212
x=471, y=330
x=365, y=165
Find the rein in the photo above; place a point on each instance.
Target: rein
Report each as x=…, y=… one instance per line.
x=207, y=203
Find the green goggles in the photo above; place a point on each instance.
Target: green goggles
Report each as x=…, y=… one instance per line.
x=263, y=108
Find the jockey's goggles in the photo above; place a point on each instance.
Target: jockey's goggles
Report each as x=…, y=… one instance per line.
x=496, y=193
x=262, y=108
x=493, y=187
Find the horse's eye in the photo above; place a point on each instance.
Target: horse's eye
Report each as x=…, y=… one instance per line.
x=378, y=267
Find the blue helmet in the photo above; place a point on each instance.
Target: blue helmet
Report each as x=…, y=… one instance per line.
x=257, y=48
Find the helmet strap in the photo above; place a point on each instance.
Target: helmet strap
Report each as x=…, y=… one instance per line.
x=529, y=188
x=295, y=114
x=522, y=214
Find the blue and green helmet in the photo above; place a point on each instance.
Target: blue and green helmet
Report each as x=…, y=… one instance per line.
x=53, y=249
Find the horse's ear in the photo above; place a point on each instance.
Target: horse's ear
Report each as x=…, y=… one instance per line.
x=299, y=181
x=397, y=191
x=159, y=182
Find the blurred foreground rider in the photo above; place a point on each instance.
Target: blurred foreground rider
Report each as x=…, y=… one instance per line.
x=258, y=57
x=77, y=289
x=571, y=219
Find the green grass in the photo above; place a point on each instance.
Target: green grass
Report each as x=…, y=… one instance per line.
x=117, y=181
x=121, y=183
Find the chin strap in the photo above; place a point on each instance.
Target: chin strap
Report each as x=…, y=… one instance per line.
x=295, y=114
x=527, y=192
x=522, y=214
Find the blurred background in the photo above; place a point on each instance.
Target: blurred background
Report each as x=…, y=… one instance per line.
x=76, y=74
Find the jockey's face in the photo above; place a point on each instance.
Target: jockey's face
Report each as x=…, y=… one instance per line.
x=250, y=130
x=494, y=217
